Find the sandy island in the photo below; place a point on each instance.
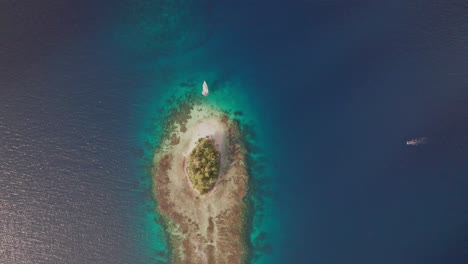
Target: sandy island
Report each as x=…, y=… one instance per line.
x=206, y=228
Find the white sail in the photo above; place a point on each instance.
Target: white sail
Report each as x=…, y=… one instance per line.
x=205, y=88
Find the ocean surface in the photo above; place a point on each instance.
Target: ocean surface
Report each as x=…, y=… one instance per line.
x=327, y=93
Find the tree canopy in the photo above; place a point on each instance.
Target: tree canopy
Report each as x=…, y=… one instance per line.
x=203, y=165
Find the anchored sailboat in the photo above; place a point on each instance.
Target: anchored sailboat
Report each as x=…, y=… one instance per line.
x=205, y=89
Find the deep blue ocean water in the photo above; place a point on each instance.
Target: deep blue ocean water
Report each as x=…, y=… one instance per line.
x=329, y=93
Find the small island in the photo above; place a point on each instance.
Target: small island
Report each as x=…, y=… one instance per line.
x=200, y=182
x=203, y=165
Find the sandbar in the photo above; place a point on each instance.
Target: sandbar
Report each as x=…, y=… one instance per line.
x=206, y=228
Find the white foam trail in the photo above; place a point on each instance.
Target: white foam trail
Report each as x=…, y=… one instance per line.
x=417, y=141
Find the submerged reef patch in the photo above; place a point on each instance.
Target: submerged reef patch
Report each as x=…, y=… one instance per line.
x=204, y=224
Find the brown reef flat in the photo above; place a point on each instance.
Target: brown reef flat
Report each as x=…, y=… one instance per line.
x=206, y=228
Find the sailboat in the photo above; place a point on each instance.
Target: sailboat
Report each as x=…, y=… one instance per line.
x=205, y=89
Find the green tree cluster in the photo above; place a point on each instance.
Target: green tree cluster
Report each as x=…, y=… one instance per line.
x=203, y=165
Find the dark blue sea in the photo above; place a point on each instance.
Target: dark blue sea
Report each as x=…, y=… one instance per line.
x=327, y=92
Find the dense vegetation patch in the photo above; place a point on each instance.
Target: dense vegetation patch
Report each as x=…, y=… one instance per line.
x=203, y=165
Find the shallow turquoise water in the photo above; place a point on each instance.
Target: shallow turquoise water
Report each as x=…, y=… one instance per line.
x=232, y=97
x=184, y=62
x=330, y=89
